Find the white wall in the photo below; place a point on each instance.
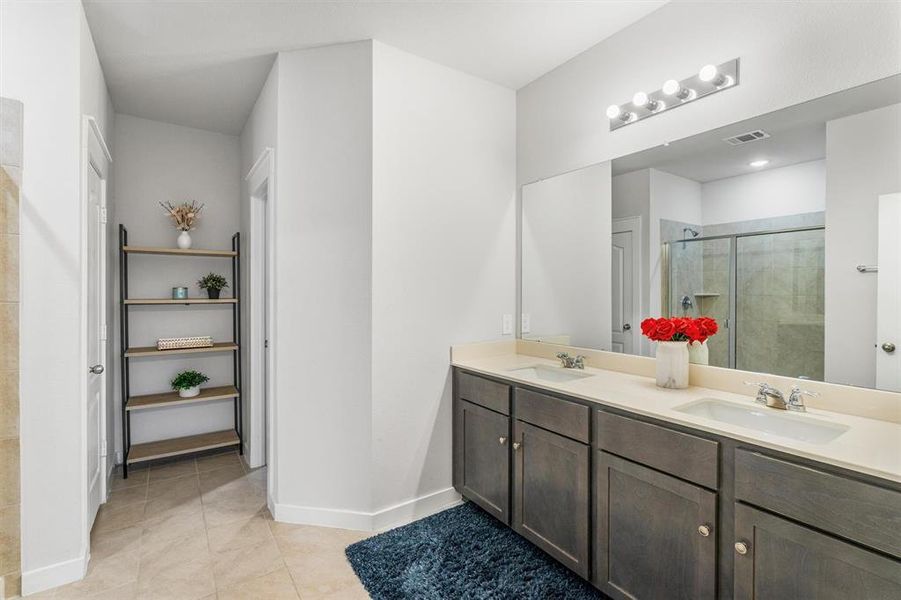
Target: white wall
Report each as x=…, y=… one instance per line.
x=443, y=244
x=323, y=271
x=791, y=190
x=790, y=52
x=46, y=61
x=260, y=132
x=676, y=199
x=566, y=256
x=158, y=162
x=863, y=161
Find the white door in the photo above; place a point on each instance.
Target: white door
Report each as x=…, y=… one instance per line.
x=888, y=295
x=625, y=285
x=96, y=340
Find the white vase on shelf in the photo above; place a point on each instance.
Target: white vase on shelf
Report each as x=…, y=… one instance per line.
x=672, y=365
x=698, y=353
x=189, y=392
x=184, y=240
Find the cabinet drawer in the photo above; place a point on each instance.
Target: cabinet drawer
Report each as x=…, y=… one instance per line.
x=484, y=392
x=680, y=454
x=566, y=418
x=851, y=509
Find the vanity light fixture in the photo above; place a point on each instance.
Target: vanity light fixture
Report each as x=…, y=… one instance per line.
x=759, y=163
x=709, y=80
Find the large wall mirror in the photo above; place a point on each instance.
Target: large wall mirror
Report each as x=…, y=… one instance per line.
x=784, y=228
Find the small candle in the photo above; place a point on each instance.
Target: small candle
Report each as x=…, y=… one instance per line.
x=179, y=293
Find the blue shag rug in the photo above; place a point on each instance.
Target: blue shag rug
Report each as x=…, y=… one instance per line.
x=460, y=553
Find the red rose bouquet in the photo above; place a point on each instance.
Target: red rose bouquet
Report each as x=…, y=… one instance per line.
x=679, y=329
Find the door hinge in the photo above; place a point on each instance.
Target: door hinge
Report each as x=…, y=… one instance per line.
x=103, y=333
x=103, y=214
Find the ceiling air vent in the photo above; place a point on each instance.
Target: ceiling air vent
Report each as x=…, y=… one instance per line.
x=744, y=138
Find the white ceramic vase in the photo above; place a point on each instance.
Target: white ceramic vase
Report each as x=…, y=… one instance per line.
x=672, y=365
x=189, y=392
x=184, y=240
x=698, y=353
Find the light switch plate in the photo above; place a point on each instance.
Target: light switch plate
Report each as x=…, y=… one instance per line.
x=507, y=325
x=526, y=323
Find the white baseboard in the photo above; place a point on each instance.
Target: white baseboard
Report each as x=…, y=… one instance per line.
x=393, y=516
x=55, y=575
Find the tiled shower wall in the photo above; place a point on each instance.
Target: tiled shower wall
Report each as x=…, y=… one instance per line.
x=10, y=180
x=779, y=325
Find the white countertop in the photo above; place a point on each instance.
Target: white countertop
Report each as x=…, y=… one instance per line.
x=869, y=446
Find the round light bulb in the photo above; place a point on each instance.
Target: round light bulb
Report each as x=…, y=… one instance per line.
x=671, y=87
x=640, y=99
x=613, y=111
x=707, y=73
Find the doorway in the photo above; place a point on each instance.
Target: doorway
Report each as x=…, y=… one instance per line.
x=95, y=171
x=261, y=415
x=626, y=284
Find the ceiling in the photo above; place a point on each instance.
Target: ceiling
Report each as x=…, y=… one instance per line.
x=798, y=134
x=202, y=64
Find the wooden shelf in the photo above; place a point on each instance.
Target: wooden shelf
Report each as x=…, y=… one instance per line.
x=182, y=445
x=173, y=399
x=172, y=301
x=177, y=251
x=153, y=351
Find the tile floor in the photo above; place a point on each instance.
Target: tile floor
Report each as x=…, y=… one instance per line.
x=200, y=529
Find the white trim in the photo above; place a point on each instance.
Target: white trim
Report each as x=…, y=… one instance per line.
x=261, y=184
x=392, y=516
x=640, y=345
x=95, y=127
x=55, y=575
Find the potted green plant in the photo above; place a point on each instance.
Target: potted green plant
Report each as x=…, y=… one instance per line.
x=213, y=284
x=188, y=383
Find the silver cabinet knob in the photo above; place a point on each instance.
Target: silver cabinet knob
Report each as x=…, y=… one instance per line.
x=517, y=445
x=888, y=347
x=96, y=369
x=704, y=530
x=741, y=548
x=502, y=440
x=627, y=327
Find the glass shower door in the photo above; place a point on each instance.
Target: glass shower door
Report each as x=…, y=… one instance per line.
x=779, y=324
x=700, y=274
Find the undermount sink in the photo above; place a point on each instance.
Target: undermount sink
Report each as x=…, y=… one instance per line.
x=767, y=420
x=547, y=373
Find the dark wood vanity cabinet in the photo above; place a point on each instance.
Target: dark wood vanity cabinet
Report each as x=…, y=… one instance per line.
x=645, y=510
x=551, y=494
x=777, y=559
x=655, y=534
x=482, y=444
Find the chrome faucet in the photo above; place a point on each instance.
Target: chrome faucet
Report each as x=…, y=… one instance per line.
x=796, y=399
x=768, y=395
x=571, y=362
x=772, y=397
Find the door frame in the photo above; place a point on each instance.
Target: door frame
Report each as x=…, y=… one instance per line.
x=262, y=197
x=95, y=154
x=633, y=225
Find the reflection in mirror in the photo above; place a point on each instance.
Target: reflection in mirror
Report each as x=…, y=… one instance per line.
x=761, y=225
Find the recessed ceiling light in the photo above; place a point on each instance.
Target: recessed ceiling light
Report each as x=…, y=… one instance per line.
x=759, y=163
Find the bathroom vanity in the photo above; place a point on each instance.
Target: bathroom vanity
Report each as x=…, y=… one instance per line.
x=647, y=499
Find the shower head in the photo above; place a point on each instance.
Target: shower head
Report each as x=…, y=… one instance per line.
x=693, y=232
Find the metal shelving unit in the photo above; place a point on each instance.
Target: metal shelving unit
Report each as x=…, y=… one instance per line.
x=136, y=453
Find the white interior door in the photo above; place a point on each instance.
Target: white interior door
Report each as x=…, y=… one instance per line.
x=888, y=295
x=624, y=286
x=96, y=341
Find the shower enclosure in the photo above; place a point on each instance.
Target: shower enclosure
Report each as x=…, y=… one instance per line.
x=766, y=291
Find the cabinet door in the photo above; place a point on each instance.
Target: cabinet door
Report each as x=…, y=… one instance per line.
x=654, y=534
x=482, y=458
x=777, y=559
x=551, y=494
